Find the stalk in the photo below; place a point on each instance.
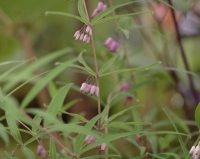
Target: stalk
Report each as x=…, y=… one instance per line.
x=183, y=54
x=96, y=67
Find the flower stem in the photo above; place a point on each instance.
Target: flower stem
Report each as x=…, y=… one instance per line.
x=96, y=67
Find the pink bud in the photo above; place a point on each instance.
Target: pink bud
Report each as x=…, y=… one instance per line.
x=77, y=35
x=85, y=38
x=82, y=36
x=100, y=4
x=88, y=39
x=88, y=29
x=103, y=147
x=83, y=87
x=95, y=12
x=93, y=89
x=104, y=7
x=89, y=139
x=87, y=90
x=113, y=46
x=97, y=91
x=108, y=41
x=192, y=150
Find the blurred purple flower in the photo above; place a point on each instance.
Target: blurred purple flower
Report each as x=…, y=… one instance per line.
x=111, y=44
x=125, y=86
x=100, y=7
x=41, y=151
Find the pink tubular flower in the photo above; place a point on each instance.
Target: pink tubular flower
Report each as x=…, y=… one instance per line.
x=97, y=91
x=41, y=151
x=100, y=7
x=89, y=88
x=90, y=139
x=111, y=44
x=84, y=34
x=103, y=147
x=93, y=90
x=84, y=87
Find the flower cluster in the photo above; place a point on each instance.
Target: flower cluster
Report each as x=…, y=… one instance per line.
x=195, y=152
x=41, y=151
x=84, y=34
x=89, y=88
x=111, y=44
x=100, y=7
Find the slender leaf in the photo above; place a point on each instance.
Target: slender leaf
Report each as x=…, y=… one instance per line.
x=44, y=81
x=66, y=14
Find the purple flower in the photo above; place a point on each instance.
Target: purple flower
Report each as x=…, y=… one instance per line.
x=84, y=34
x=100, y=7
x=41, y=151
x=111, y=44
x=124, y=86
x=89, y=139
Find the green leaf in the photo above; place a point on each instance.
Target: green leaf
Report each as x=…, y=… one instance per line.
x=28, y=153
x=82, y=61
x=67, y=15
x=109, y=18
x=44, y=81
x=52, y=149
x=3, y=134
x=108, y=64
x=197, y=115
x=114, y=116
x=57, y=102
x=79, y=141
x=109, y=10
x=82, y=11
x=12, y=115
x=144, y=68
x=36, y=66
x=182, y=144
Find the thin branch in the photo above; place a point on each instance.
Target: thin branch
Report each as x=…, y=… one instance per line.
x=183, y=54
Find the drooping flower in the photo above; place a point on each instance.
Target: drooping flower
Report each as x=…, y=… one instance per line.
x=103, y=147
x=90, y=139
x=41, y=151
x=100, y=7
x=84, y=34
x=111, y=44
x=195, y=152
x=192, y=150
x=89, y=88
